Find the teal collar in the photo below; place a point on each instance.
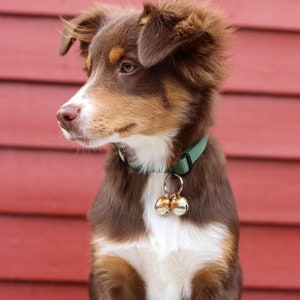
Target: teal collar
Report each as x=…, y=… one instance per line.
x=188, y=157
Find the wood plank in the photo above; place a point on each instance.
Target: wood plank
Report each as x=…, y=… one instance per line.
x=54, y=249
x=247, y=126
x=261, y=59
x=266, y=191
x=51, y=183
x=59, y=183
x=50, y=291
x=246, y=13
x=45, y=291
x=270, y=257
x=44, y=249
x=28, y=114
x=57, y=7
x=256, y=126
x=265, y=62
x=270, y=295
x=29, y=51
x=278, y=14
x=42, y=8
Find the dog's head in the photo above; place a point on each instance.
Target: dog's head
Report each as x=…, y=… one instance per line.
x=150, y=73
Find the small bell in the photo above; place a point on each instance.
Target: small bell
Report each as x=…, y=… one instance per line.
x=163, y=206
x=179, y=205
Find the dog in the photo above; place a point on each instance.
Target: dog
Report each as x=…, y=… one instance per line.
x=164, y=223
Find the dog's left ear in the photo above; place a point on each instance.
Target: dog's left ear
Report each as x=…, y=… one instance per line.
x=82, y=28
x=196, y=32
x=85, y=27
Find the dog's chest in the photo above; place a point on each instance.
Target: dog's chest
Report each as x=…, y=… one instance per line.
x=168, y=257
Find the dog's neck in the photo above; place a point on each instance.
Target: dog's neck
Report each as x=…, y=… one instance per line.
x=154, y=154
x=148, y=152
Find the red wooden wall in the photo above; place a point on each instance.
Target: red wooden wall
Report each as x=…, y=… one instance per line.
x=47, y=184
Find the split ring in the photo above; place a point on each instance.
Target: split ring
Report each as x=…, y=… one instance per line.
x=180, y=183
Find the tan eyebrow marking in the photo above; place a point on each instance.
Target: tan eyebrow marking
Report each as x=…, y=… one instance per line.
x=116, y=54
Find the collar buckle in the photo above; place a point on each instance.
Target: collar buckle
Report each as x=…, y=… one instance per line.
x=189, y=162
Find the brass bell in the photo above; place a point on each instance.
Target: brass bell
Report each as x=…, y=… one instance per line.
x=179, y=205
x=163, y=206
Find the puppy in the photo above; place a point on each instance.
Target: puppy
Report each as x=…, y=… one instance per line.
x=164, y=223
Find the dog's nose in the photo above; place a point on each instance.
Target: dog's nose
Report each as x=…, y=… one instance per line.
x=66, y=115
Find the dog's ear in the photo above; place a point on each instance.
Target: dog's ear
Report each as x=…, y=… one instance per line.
x=84, y=28
x=190, y=35
x=161, y=34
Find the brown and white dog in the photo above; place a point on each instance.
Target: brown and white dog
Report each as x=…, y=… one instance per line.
x=153, y=80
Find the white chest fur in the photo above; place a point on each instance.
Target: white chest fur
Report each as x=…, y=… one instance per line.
x=172, y=252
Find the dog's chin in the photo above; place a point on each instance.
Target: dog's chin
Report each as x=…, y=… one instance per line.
x=91, y=142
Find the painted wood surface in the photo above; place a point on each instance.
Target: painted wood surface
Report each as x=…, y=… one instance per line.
x=34, y=251
x=275, y=14
x=262, y=61
x=44, y=291
x=47, y=184
x=38, y=291
x=65, y=183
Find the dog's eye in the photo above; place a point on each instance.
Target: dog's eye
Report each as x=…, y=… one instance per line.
x=127, y=67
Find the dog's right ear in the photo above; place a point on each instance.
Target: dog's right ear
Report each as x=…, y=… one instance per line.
x=84, y=28
x=194, y=38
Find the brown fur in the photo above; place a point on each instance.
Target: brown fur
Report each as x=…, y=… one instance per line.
x=213, y=283
x=116, y=279
x=128, y=211
x=178, y=49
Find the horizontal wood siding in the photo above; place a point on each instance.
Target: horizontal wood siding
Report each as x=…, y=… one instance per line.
x=261, y=62
x=39, y=176
x=42, y=291
x=48, y=184
x=34, y=251
x=30, y=291
x=278, y=14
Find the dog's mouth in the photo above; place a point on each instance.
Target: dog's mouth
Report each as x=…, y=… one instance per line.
x=76, y=137
x=124, y=130
x=95, y=141
x=88, y=142
x=82, y=140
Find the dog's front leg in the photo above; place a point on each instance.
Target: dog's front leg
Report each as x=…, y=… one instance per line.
x=213, y=283
x=113, y=278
